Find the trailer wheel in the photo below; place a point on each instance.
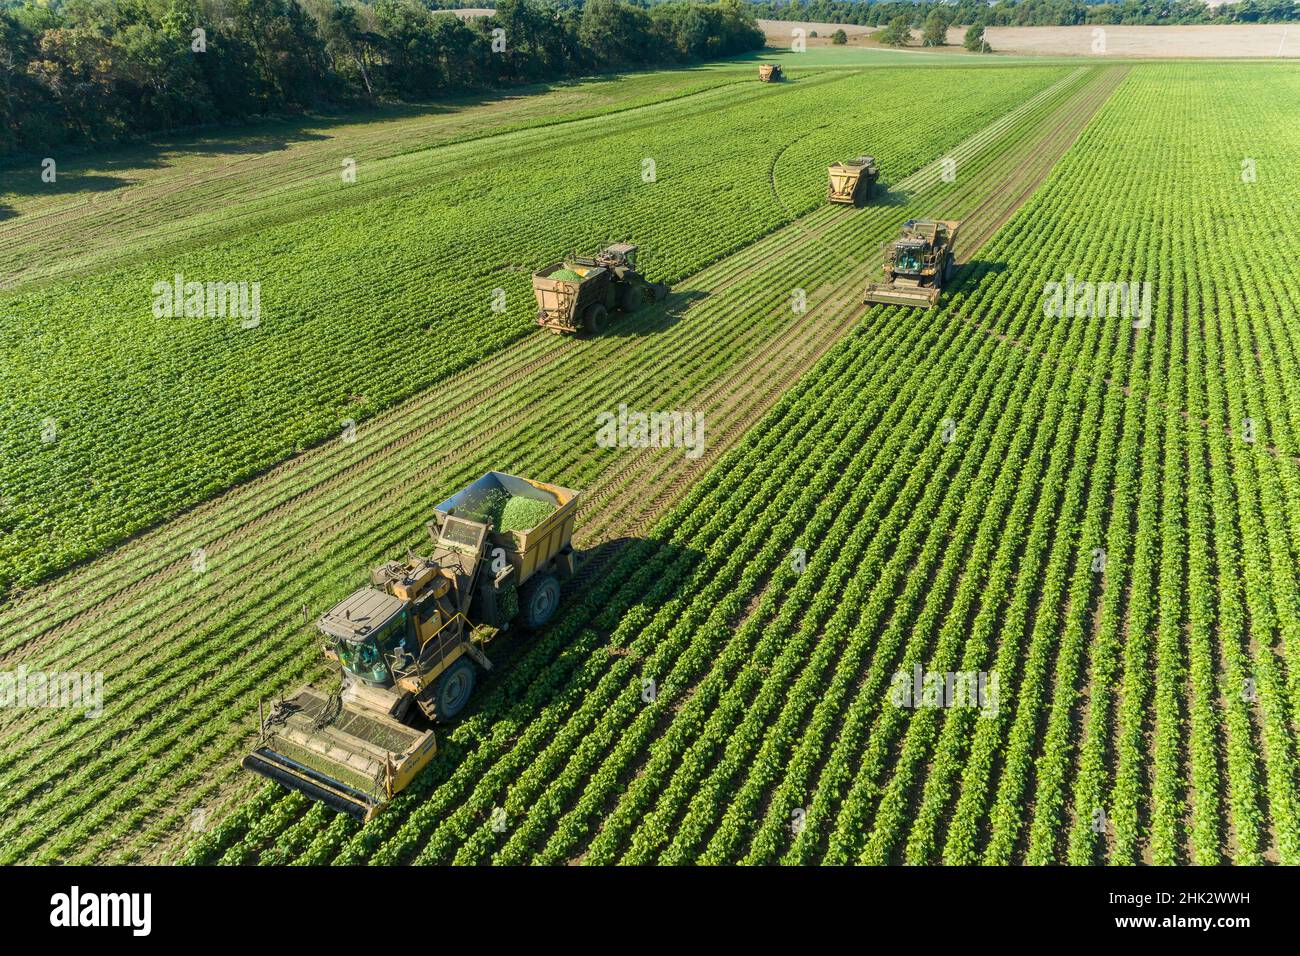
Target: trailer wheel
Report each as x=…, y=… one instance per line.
x=539, y=600
x=453, y=689
x=594, y=319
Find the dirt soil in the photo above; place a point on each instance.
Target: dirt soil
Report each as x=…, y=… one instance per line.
x=779, y=33
x=1229, y=41
x=1240, y=40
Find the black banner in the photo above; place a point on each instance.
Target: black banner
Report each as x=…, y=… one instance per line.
x=329, y=906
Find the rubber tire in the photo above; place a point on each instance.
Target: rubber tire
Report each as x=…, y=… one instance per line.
x=629, y=297
x=453, y=689
x=538, y=601
x=594, y=319
x=661, y=291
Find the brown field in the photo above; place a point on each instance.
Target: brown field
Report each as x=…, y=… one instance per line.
x=1236, y=41
x=778, y=32
x=1243, y=40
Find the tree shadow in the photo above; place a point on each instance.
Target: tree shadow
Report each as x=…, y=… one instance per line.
x=29, y=183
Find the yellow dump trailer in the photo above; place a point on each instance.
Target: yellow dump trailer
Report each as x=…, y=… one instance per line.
x=852, y=183
x=577, y=294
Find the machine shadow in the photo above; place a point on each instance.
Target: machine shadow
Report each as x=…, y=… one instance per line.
x=527, y=679
x=654, y=319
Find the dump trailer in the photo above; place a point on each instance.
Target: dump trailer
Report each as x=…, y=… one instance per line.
x=770, y=73
x=918, y=264
x=409, y=645
x=852, y=183
x=578, y=293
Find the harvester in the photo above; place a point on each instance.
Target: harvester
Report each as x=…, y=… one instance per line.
x=410, y=644
x=770, y=73
x=852, y=183
x=918, y=264
x=577, y=294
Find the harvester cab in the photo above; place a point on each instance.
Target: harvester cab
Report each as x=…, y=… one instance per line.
x=409, y=644
x=917, y=265
x=363, y=631
x=617, y=256
x=578, y=293
x=852, y=183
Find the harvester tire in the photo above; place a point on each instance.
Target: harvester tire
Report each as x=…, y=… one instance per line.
x=629, y=297
x=453, y=689
x=594, y=319
x=540, y=598
x=661, y=291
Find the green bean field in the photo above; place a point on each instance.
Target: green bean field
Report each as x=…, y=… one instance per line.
x=1010, y=580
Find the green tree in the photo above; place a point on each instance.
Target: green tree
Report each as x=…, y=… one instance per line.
x=936, y=30
x=898, y=33
x=839, y=38
x=975, y=41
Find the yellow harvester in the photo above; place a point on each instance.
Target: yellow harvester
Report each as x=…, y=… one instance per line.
x=917, y=264
x=409, y=645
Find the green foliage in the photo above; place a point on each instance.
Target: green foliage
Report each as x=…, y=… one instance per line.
x=839, y=38
x=507, y=512
x=898, y=32
x=975, y=41
x=93, y=74
x=935, y=32
x=523, y=514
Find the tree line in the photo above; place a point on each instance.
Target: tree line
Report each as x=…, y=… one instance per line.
x=1030, y=13
x=98, y=71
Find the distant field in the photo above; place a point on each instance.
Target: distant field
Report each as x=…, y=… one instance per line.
x=1227, y=42
x=780, y=33
x=1244, y=40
